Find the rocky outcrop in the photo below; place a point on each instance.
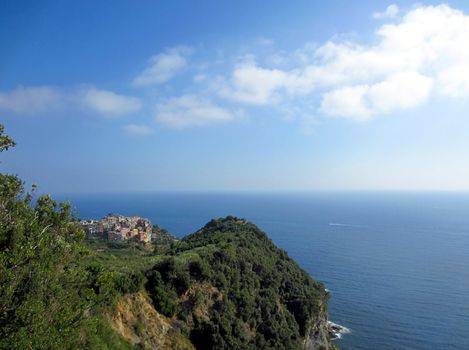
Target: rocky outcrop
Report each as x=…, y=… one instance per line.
x=139, y=323
x=318, y=335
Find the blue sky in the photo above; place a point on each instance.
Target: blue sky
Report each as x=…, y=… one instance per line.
x=116, y=96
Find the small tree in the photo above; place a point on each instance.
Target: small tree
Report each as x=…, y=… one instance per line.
x=40, y=273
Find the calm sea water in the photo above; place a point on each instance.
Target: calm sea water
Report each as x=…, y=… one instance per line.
x=397, y=264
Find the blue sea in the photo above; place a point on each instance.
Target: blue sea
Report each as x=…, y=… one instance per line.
x=396, y=264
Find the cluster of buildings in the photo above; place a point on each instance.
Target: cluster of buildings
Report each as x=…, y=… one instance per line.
x=118, y=228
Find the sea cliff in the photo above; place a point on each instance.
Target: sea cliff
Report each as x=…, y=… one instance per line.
x=227, y=286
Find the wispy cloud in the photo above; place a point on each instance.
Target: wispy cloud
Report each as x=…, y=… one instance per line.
x=138, y=129
x=31, y=100
x=189, y=110
x=390, y=12
x=163, y=67
x=253, y=85
x=108, y=103
x=360, y=102
x=39, y=100
x=417, y=55
x=423, y=54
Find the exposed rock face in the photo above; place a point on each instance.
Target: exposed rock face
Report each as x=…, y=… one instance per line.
x=318, y=337
x=138, y=322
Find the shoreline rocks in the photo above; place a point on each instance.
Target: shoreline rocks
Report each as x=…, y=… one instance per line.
x=336, y=330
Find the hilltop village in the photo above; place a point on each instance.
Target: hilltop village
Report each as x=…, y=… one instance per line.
x=114, y=227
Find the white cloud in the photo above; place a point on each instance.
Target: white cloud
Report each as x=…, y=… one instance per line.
x=253, y=85
x=189, y=110
x=163, y=67
x=424, y=53
x=454, y=80
x=360, y=102
x=420, y=54
x=31, y=100
x=138, y=129
x=37, y=100
x=400, y=91
x=108, y=103
x=390, y=12
x=347, y=102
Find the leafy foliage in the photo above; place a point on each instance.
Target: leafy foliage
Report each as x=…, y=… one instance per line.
x=256, y=297
x=49, y=297
x=5, y=140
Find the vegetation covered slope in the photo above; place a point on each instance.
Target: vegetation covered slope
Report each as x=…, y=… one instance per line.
x=234, y=289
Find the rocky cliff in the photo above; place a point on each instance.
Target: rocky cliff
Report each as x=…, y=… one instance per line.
x=137, y=321
x=318, y=335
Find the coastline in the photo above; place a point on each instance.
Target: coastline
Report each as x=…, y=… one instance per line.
x=336, y=330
